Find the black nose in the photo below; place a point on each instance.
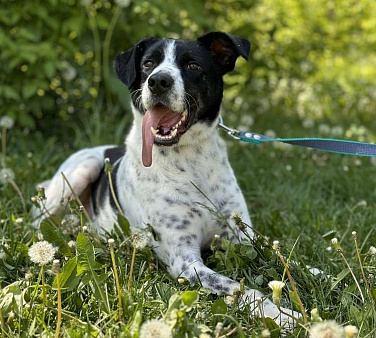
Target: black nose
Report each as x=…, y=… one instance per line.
x=160, y=83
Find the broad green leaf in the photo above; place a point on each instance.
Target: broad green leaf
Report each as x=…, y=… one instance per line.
x=189, y=298
x=68, y=277
x=50, y=235
x=273, y=327
x=124, y=225
x=339, y=278
x=294, y=299
x=86, y=262
x=219, y=307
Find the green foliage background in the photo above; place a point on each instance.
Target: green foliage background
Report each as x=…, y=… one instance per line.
x=309, y=59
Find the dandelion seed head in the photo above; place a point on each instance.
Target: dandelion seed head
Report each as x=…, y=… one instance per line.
x=308, y=123
x=6, y=122
x=19, y=220
x=111, y=241
x=84, y=228
x=324, y=129
x=5, y=175
x=353, y=233
x=71, y=220
x=326, y=329
x=123, y=3
x=155, y=329
x=141, y=239
x=42, y=253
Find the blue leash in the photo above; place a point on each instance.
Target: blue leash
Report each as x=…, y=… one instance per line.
x=345, y=147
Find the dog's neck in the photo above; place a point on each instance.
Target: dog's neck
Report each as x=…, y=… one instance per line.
x=201, y=138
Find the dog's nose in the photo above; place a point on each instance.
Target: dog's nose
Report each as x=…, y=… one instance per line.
x=160, y=83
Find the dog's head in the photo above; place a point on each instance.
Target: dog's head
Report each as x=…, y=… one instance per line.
x=177, y=84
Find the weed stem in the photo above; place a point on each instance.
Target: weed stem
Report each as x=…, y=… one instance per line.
x=58, y=325
x=131, y=270
x=120, y=306
x=294, y=289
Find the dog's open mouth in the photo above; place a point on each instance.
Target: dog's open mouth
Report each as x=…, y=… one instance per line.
x=163, y=127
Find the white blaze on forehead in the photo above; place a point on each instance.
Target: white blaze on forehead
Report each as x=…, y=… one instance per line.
x=168, y=66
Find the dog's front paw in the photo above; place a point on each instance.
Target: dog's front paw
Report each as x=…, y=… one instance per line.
x=262, y=307
x=285, y=318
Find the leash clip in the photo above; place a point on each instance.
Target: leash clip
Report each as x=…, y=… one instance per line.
x=234, y=133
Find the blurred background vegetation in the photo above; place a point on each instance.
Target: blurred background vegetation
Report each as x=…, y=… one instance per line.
x=312, y=63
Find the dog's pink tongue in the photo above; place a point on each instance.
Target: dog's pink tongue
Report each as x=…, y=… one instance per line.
x=151, y=119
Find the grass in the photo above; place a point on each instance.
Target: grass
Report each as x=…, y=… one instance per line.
x=294, y=196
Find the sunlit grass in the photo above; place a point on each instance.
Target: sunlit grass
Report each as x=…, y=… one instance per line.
x=294, y=195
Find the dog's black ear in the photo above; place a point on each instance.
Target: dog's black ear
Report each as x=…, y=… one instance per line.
x=225, y=49
x=127, y=63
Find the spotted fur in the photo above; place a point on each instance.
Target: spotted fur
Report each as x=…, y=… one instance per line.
x=169, y=195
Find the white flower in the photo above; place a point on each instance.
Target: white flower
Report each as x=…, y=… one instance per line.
x=6, y=174
x=351, y=331
x=276, y=245
x=6, y=122
x=324, y=129
x=337, y=131
x=141, y=239
x=372, y=250
x=276, y=287
x=19, y=220
x=204, y=335
x=271, y=133
x=362, y=203
x=123, y=3
x=71, y=244
x=327, y=329
x=2, y=255
x=69, y=72
x=42, y=252
x=265, y=333
x=308, y=123
x=155, y=329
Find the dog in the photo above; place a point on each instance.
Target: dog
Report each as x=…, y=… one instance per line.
x=174, y=161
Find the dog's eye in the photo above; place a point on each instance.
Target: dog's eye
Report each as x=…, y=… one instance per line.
x=194, y=66
x=148, y=64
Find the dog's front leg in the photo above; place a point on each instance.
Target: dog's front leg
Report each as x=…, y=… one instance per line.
x=185, y=261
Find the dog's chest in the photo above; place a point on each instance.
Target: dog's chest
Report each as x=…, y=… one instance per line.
x=177, y=191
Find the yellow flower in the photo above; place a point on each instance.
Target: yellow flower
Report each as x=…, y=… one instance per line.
x=351, y=331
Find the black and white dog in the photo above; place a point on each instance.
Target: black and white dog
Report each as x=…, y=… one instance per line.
x=176, y=88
